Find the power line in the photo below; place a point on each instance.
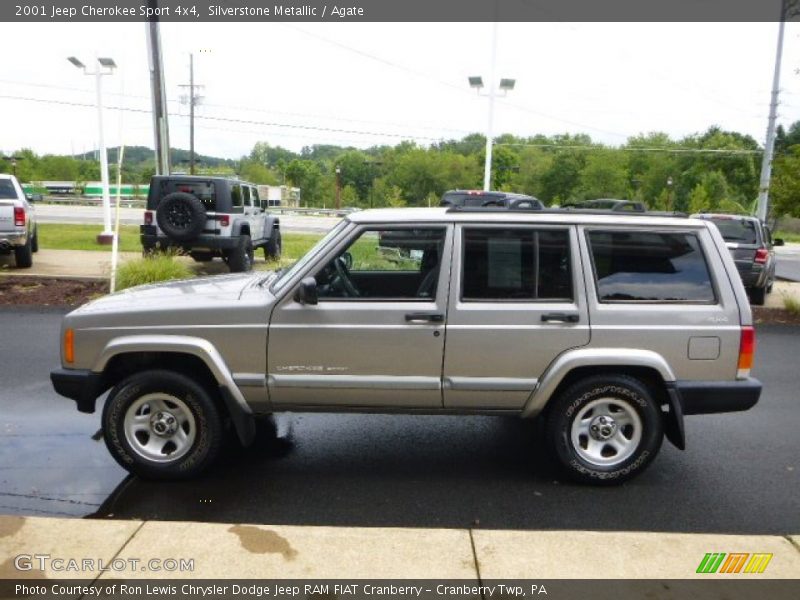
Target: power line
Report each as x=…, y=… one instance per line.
x=636, y=148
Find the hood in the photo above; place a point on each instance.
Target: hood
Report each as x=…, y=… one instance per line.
x=215, y=290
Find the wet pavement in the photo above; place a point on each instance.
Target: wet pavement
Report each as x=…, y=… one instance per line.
x=740, y=473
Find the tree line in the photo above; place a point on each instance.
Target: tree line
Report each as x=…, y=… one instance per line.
x=716, y=170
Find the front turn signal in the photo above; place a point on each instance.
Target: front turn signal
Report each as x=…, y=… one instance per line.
x=69, y=346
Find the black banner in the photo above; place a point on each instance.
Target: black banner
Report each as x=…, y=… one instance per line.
x=713, y=588
x=191, y=11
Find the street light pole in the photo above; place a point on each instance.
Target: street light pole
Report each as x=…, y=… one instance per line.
x=506, y=85
x=107, y=66
x=338, y=188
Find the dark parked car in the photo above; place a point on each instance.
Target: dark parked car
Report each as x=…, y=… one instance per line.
x=484, y=199
x=750, y=243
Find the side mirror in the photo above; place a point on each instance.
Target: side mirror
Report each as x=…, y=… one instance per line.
x=777, y=242
x=307, y=292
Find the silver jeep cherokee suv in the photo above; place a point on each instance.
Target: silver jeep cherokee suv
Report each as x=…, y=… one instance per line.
x=610, y=327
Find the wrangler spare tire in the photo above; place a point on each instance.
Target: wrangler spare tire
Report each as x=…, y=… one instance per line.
x=181, y=216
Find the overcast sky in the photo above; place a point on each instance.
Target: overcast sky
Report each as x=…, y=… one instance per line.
x=364, y=83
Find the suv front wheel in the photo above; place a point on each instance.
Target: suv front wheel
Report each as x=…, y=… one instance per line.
x=161, y=424
x=605, y=429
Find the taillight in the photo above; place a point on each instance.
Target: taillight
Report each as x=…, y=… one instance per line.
x=69, y=346
x=747, y=351
x=148, y=217
x=19, y=216
x=761, y=255
x=224, y=220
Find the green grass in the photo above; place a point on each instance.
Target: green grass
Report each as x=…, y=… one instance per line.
x=57, y=236
x=159, y=267
x=791, y=304
x=787, y=236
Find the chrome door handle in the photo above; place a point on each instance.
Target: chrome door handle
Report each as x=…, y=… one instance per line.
x=560, y=317
x=424, y=317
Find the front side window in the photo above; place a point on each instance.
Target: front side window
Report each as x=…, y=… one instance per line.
x=516, y=264
x=643, y=266
x=385, y=264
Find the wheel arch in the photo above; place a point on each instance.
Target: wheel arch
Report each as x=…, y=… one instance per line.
x=195, y=357
x=644, y=365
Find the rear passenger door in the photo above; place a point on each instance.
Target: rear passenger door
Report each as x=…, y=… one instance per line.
x=517, y=301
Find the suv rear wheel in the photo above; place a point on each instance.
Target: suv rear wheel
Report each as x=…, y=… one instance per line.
x=758, y=296
x=23, y=255
x=240, y=259
x=605, y=429
x=161, y=424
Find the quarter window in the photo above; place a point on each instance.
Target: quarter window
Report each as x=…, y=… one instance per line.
x=516, y=264
x=640, y=266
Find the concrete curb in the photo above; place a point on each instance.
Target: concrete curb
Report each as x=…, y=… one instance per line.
x=302, y=552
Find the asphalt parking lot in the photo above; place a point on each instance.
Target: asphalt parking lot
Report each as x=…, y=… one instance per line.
x=740, y=473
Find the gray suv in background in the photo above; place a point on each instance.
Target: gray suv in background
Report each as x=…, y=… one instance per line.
x=609, y=327
x=751, y=245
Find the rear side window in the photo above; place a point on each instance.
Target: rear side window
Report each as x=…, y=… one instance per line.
x=7, y=191
x=236, y=195
x=738, y=231
x=639, y=266
x=516, y=264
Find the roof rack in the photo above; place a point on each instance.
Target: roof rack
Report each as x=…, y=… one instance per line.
x=567, y=210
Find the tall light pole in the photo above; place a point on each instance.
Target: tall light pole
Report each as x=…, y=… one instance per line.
x=769, y=144
x=338, y=188
x=505, y=86
x=107, y=66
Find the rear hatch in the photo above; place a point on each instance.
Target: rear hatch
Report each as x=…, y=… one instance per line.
x=741, y=237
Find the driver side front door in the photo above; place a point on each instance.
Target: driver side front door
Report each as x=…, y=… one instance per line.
x=376, y=337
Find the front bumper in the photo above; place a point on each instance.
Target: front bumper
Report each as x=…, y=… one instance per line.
x=81, y=385
x=706, y=397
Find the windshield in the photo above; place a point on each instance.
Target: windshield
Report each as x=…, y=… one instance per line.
x=285, y=275
x=739, y=231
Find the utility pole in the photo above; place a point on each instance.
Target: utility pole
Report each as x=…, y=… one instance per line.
x=159, y=96
x=769, y=145
x=338, y=188
x=192, y=100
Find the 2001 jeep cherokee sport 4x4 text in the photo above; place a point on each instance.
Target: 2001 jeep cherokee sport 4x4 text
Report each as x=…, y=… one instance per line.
x=610, y=327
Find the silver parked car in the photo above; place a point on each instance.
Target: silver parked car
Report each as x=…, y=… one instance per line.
x=18, y=231
x=611, y=327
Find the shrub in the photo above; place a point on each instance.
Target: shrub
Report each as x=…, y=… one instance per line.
x=152, y=269
x=791, y=304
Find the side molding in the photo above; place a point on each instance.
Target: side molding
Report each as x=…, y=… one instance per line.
x=240, y=412
x=591, y=357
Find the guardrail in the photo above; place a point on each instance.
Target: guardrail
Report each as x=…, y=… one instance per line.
x=141, y=203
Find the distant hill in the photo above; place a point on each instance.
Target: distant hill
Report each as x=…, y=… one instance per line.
x=140, y=156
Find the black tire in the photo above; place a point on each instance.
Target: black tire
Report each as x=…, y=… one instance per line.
x=240, y=259
x=24, y=254
x=208, y=429
x=181, y=216
x=35, y=242
x=274, y=247
x=758, y=296
x=202, y=256
x=643, y=432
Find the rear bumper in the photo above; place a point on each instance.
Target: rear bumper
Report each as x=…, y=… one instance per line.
x=10, y=240
x=752, y=274
x=150, y=239
x=706, y=397
x=80, y=385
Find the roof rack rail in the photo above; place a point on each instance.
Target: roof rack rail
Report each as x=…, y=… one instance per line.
x=567, y=210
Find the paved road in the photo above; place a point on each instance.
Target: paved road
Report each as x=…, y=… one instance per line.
x=50, y=213
x=788, y=265
x=740, y=474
